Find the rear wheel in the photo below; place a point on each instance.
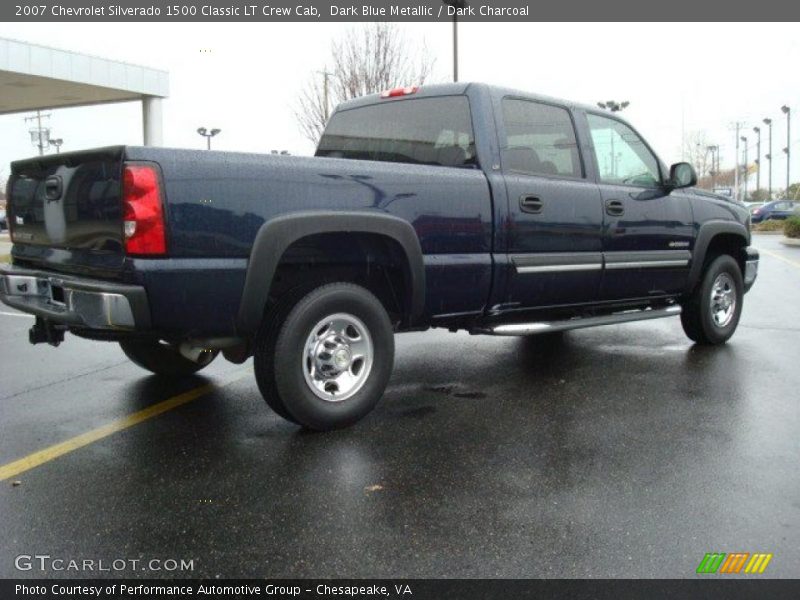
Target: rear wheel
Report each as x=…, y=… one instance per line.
x=164, y=359
x=327, y=363
x=711, y=313
x=264, y=350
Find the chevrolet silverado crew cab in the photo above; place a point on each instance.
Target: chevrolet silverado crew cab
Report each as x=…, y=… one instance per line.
x=461, y=206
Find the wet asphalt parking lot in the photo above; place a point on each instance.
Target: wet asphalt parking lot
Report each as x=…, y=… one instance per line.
x=621, y=451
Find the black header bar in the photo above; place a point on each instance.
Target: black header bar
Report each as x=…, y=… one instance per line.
x=397, y=10
x=732, y=588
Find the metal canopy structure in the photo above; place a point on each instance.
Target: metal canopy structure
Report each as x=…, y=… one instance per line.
x=34, y=77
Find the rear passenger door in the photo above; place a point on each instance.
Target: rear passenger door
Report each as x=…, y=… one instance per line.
x=555, y=215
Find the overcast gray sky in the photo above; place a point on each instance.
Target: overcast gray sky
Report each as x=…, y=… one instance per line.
x=677, y=77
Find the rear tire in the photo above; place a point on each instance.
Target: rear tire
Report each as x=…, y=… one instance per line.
x=264, y=350
x=711, y=312
x=327, y=363
x=163, y=359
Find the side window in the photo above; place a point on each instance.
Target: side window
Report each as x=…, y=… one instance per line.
x=622, y=156
x=540, y=139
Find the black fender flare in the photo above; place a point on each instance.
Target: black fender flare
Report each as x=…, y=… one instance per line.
x=706, y=233
x=276, y=235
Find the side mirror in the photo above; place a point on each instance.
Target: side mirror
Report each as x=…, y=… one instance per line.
x=681, y=175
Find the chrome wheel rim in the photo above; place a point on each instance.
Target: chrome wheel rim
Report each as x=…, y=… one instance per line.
x=723, y=300
x=337, y=357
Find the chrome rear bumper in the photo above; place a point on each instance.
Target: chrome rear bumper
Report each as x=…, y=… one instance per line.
x=76, y=301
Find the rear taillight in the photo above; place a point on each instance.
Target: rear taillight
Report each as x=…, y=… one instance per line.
x=142, y=211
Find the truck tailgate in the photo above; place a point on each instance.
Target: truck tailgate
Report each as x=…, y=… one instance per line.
x=65, y=210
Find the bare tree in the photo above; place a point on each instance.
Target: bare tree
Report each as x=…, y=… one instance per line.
x=365, y=60
x=695, y=149
x=724, y=179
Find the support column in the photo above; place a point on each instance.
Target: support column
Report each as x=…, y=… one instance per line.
x=151, y=121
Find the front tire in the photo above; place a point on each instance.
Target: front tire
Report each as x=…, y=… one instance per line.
x=331, y=358
x=711, y=313
x=164, y=359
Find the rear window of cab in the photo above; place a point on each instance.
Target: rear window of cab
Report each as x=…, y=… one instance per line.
x=424, y=131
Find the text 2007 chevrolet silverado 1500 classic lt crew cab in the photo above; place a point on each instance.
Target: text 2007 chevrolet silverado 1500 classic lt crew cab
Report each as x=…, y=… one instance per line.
x=462, y=206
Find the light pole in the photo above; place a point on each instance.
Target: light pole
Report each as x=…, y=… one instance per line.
x=326, y=75
x=768, y=123
x=737, y=172
x=788, y=112
x=40, y=136
x=758, y=158
x=744, y=139
x=456, y=4
x=57, y=143
x=208, y=135
x=613, y=106
x=714, y=165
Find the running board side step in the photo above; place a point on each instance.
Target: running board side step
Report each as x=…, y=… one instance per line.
x=512, y=329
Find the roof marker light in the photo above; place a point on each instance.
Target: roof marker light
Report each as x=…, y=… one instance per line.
x=401, y=91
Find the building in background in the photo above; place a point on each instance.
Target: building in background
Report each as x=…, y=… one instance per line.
x=36, y=78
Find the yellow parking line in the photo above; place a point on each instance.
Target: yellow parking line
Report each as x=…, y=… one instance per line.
x=794, y=263
x=46, y=455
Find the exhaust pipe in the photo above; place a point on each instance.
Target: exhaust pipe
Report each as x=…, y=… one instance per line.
x=196, y=354
x=203, y=351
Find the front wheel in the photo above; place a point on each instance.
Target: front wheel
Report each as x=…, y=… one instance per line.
x=711, y=313
x=330, y=359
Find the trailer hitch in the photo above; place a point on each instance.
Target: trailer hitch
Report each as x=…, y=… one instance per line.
x=45, y=332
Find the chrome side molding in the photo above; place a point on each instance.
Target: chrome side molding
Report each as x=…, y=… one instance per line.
x=564, y=262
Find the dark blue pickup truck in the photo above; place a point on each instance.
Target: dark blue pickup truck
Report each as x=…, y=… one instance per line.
x=461, y=206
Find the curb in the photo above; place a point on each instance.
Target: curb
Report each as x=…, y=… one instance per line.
x=791, y=242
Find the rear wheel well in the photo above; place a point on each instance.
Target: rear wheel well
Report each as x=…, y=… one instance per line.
x=373, y=261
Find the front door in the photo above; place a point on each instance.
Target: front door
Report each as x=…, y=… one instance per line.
x=555, y=215
x=647, y=231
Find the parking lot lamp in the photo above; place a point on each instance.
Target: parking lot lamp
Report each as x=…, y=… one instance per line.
x=768, y=156
x=788, y=112
x=714, y=164
x=208, y=135
x=758, y=157
x=613, y=106
x=744, y=140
